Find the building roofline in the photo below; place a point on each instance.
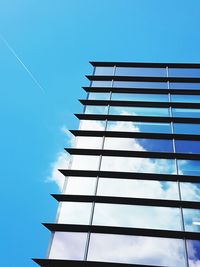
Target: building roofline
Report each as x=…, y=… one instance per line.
x=144, y=64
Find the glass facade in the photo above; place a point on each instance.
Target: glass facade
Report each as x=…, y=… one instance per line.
x=132, y=192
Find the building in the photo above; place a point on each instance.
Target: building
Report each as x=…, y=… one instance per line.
x=132, y=194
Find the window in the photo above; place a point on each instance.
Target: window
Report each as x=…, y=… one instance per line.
x=190, y=191
x=83, y=162
x=80, y=186
x=186, y=112
x=129, y=84
x=136, y=250
x=104, y=71
x=140, y=97
x=184, y=86
x=139, y=111
x=68, y=246
x=99, y=96
x=186, y=128
x=181, y=72
x=188, y=167
x=101, y=83
x=89, y=142
x=93, y=125
x=143, y=165
x=96, y=109
x=191, y=220
x=154, y=72
x=186, y=98
x=186, y=146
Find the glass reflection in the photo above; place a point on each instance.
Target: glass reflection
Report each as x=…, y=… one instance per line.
x=140, y=97
x=185, y=98
x=181, y=72
x=89, y=142
x=101, y=83
x=68, y=246
x=186, y=112
x=83, y=162
x=187, y=146
x=138, y=144
x=187, y=128
x=180, y=86
x=136, y=250
x=143, y=165
x=99, y=96
x=104, y=71
x=129, y=84
x=137, y=188
x=193, y=251
x=145, y=127
x=188, y=167
x=136, y=216
x=80, y=186
x=96, y=109
x=191, y=220
x=92, y=125
x=139, y=111
x=133, y=71
x=75, y=213
x=190, y=191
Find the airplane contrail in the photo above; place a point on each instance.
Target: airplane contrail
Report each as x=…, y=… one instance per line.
x=23, y=65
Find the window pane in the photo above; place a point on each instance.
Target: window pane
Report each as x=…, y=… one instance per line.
x=191, y=220
x=80, y=186
x=179, y=72
x=186, y=112
x=143, y=165
x=101, y=83
x=193, y=251
x=83, y=162
x=156, y=72
x=96, y=109
x=185, y=146
x=68, y=246
x=92, y=125
x=75, y=213
x=180, y=86
x=136, y=250
x=89, y=142
x=138, y=144
x=145, y=127
x=128, y=84
x=99, y=96
x=139, y=111
x=136, y=216
x=184, y=128
x=188, y=167
x=186, y=98
x=140, y=97
x=137, y=188
x=190, y=191
x=104, y=71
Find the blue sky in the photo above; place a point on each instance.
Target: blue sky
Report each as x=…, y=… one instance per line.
x=55, y=40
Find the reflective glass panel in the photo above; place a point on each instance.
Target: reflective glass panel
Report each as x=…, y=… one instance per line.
x=186, y=128
x=179, y=72
x=143, y=165
x=83, y=162
x=137, y=250
x=139, y=111
x=138, y=144
x=186, y=146
x=89, y=142
x=134, y=126
x=96, y=109
x=191, y=220
x=186, y=98
x=186, y=112
x=188, y=167
x=80, y=186
x=68, y=246
x=180, y=86
x=193, y=251
x=137, y=188
x=190, y=191
x=129, y=84
x=74, y=213
x=154, y=72
x=140, y=97
x=104, y=71
x=136, y=216
x=99, y=96
x=93, y=125
x=101, y=83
